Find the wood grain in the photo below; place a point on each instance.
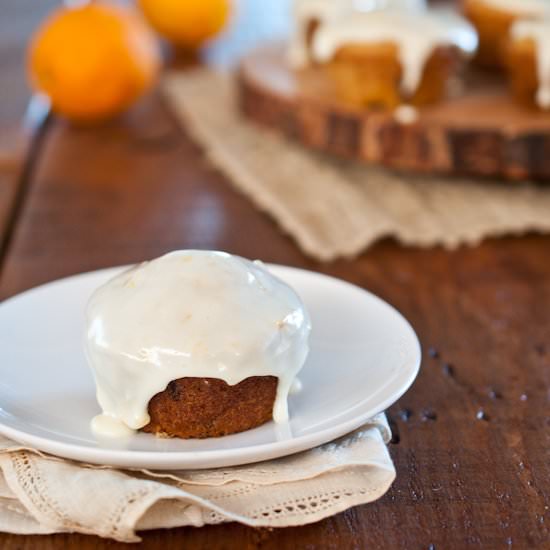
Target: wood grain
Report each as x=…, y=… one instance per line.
x=140, y=187
x=482, y=132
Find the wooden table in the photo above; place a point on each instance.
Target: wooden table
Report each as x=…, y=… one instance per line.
x=471, y=438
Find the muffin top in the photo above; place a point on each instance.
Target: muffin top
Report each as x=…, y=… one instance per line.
x=416, y=35
x=323, y=11
x=191, y=314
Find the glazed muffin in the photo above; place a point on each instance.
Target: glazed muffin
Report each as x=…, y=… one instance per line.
x=383, y=59
x=528, y=62
x=493, y=19
x=372, y=76
x=194, y=344
x=309, y=15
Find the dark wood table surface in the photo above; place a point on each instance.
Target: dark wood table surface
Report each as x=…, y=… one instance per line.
x=471, y=438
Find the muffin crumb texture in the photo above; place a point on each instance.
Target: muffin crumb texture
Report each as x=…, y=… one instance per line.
x=209, y=407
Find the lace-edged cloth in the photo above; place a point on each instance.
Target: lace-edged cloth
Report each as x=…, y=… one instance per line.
x=41, y=494
x=338, y=209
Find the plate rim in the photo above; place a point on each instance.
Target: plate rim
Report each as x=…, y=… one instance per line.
x=173, y=460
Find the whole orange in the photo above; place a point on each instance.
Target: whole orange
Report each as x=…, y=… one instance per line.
x=186, y=23
x=93, y=61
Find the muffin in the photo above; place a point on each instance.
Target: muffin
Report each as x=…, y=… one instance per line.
x=309, y=15
x=210, y=407
x=385, y=58
x=528, y=62
x=493, y=19
x=194, y=344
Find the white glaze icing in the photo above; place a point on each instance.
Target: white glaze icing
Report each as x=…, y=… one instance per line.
x=108, y=426
x=405, y=114
x=532, y=8
x=324, y=11
x=539, y=32
x=416, y=35
x=190, y=314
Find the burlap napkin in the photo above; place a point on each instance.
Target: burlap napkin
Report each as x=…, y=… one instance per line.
x=337, y=209
x=43, y=494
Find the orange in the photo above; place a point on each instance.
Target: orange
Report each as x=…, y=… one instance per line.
x=186, y=23
x=93, y=61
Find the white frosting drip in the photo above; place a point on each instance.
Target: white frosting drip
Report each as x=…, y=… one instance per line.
x=534, y=8
x=108, y=426
x=324, y=11
x=539, y=32
x=416, y=35
x=190, y=314
x=405, y=114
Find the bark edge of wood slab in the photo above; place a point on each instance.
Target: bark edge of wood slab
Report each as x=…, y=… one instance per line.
x=481, y=133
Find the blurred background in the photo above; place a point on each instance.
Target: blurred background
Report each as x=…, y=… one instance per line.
x=244, y=24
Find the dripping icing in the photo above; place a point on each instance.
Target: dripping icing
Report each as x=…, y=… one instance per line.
x=190, y=314
x=324, y=11
x=416, y=35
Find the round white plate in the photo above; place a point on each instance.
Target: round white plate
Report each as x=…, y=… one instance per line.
x=364, y=355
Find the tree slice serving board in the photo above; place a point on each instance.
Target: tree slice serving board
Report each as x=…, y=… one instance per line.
x=480, y=132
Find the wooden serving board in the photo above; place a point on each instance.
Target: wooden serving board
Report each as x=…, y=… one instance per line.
x=480, y=132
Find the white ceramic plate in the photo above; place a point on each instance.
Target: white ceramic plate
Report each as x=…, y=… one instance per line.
x=364, y=356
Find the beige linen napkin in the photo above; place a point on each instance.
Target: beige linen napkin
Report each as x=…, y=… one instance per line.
x=337, y=209
x=44, y=494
